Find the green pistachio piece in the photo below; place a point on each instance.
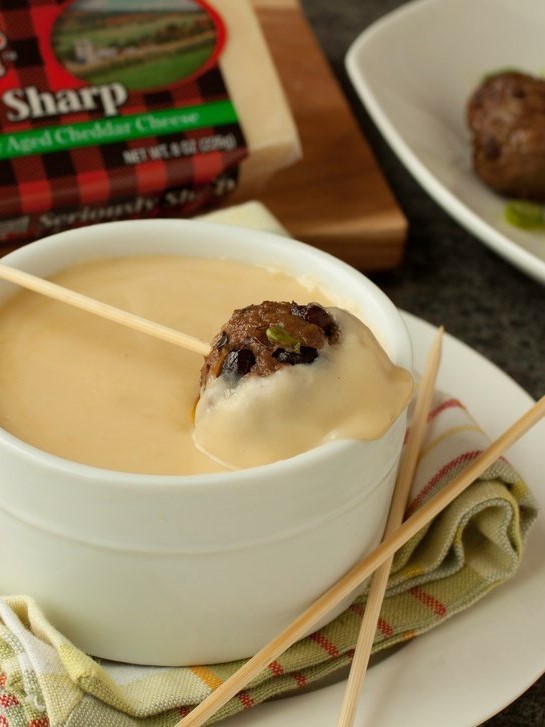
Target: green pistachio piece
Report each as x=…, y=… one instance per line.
x=279, y=336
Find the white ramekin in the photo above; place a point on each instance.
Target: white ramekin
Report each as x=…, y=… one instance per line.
x=178, y=570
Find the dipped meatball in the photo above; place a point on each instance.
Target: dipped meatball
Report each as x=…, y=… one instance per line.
x=506, y=115
x=283, y=378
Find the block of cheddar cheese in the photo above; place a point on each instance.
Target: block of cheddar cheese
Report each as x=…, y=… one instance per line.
x=258, y=95
x=112, y=110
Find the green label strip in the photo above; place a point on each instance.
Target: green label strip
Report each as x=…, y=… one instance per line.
x=117, y=128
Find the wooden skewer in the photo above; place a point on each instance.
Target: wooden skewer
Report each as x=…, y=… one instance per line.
x=398, y=505
x=104, y=310
x=362, y=570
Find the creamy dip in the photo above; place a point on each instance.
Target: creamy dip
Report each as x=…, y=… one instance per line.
x=97, y=393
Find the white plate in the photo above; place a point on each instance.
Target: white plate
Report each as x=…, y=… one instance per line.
x=414, y=71
x=473, y=665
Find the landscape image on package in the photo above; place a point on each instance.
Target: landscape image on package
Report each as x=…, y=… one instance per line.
x=134, y=42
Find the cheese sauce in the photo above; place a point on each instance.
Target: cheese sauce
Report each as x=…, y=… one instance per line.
x=97, y=393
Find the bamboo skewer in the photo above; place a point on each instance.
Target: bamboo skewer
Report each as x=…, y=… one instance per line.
x=104, y=310
x=402, y=490
x=362, y=570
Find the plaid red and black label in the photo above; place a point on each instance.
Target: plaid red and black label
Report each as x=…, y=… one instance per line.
x=108, y=102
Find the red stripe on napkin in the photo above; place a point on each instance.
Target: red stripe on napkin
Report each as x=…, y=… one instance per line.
x=445, y=470
x=447, y=404
x=385, y=627
x=276, y=668
x=327, y=645
x=245, y=700
x=438, y=608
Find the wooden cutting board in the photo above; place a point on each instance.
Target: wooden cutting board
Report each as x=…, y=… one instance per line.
x=336, y=198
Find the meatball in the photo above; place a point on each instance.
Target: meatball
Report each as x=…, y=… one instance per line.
x=260, y=339
x=506, y=115
x=284, y=378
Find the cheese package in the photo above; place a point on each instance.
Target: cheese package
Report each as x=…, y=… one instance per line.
x=114, y=109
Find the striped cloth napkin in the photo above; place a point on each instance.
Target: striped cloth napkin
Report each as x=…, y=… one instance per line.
x=474, y=545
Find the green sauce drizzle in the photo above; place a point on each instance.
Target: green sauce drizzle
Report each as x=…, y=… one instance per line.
x=525, y=215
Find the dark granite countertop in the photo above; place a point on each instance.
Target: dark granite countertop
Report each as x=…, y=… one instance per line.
x=447, y=275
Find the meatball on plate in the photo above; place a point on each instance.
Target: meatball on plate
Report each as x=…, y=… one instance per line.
x=418, y=94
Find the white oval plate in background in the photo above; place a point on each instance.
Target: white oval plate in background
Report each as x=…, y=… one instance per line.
x=414, y=71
